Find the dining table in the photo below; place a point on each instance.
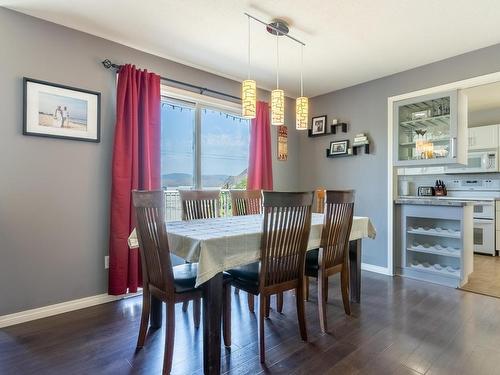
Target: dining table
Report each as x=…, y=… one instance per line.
x=219, y=244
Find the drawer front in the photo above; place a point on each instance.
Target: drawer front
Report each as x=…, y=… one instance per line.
x=497, y=240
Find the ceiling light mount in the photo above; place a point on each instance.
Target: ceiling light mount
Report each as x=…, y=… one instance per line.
x=278, y=27
x=276, y=30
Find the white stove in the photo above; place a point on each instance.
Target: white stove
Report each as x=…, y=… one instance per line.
x=484, y=192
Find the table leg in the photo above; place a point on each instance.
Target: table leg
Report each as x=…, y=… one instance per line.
x=156, y=317
x=212, y=309
x=355, y=270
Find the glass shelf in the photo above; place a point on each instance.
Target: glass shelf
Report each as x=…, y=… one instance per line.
x=426, y=129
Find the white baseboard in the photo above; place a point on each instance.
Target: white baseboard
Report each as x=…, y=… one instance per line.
x=77, y=304
x=58, y=308
x=376, y=269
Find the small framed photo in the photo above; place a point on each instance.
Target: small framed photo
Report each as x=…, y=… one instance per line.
x=318, y=126
x=57, y=111
x=339, y=147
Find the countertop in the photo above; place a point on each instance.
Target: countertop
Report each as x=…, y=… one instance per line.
x=477, y=199
x=434, y=201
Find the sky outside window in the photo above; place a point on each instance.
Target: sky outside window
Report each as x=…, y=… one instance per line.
x=224, y=142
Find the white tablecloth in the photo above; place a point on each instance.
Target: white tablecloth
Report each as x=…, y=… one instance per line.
x=227, y=242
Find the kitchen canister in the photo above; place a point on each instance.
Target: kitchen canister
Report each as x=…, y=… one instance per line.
x=404, y=188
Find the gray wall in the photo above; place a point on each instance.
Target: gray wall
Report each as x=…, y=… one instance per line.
x=484, y=117
x=365, y=107
x=54, y=194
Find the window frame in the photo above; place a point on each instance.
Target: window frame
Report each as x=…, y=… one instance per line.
x=200, y=102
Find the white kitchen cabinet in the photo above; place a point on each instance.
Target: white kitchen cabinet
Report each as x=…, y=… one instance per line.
x=483, y=137
x=416, y=171
x=431, y=130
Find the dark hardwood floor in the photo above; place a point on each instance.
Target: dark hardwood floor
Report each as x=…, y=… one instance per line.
x=401, y=327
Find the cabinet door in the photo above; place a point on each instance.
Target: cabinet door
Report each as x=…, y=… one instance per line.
x=431, y=130
x=472, y=137
x=483, y=137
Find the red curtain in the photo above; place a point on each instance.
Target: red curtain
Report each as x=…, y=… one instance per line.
x=260, y=167
x=136, y=165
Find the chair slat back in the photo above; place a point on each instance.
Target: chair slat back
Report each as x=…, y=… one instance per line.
x=153, y=241
x=246, y=202
x=337, y=227
x=320, y=200
x=200, y=204
x=286, y=228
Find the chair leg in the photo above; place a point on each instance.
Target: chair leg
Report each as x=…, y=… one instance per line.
x=185, y=304
x=196, y=312
x=326, y=290
x=251, y=302
x=146, y=308
x=306, y=288
x=268, y=306
x=322, y=285
x=236, y=291
x=299, y=298
x=344, y=285
x=169, y=338
x=226, y=315
x=279, y=302
x=262, y=313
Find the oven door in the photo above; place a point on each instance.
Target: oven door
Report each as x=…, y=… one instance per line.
x=484, y=210
x=484, y=236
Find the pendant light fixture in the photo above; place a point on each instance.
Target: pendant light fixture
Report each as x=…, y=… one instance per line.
x=301, y=103
x=277, y=95
x=278, y=28
x=248, y=90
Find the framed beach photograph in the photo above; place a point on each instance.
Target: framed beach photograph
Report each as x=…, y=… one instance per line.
x=318, y=126
x=57, y=111
x=339, y=147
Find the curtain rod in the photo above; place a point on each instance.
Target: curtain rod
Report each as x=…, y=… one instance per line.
x=110, y=65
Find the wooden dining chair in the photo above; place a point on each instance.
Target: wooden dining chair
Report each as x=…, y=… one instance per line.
x=320, y=200
x=332, y=256
x=199, y=204
x=319, y=208
x=169, y=284
x=286, y=227
x=246, y=202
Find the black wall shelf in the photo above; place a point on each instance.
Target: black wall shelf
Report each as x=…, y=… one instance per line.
x=333, y=130
x=354, y=151
x=335, y=156
x=356, y=148
x=343, y=127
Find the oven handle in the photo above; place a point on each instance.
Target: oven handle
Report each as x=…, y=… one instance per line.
x=484, y=221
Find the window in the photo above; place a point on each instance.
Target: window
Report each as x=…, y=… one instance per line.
x=224, y=150
x=204, y=146
x=177, y=134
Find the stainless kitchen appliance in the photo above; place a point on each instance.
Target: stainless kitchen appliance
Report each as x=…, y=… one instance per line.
x=484, y=192
x=425, y=191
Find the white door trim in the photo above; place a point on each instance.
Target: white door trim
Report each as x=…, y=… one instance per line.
x=376, y=269
x=392, y=182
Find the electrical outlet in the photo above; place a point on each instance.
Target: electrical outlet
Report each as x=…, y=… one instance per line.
x=106, y=262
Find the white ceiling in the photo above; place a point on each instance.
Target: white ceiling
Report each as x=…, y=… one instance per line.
x=348, y=41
